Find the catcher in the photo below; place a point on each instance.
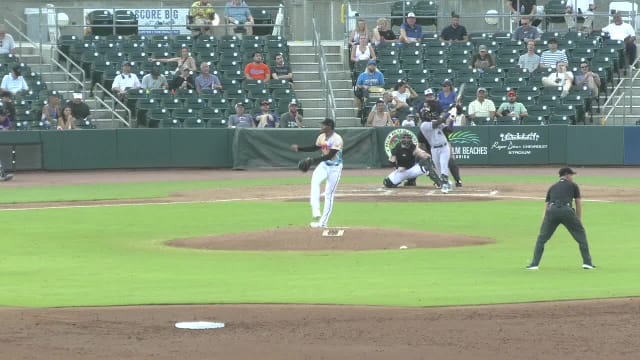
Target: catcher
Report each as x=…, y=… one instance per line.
x=410, y=162
x=329, y=168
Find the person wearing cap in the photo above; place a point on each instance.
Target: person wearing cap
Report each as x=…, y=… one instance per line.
x=551, y=57
x=561, y=79
x=483, y=60
x=206, y=80
x=512, y=108
x=292, y=118
x=51, y=111
x=79, y=109
x=241, y=119
x=447, y=97
x=14, y=82
x=430, y=109
x=7, y=44
x=329, y=169
x=124, y=82
x=454, y=32
x=379, y=116
x=529, y=60
x=558, y=210
x=282, y=71
x=526, y=32
x=481, y=108
x=185, y=81
x=368, y=78
x=257, y=69
x=410, y=32
x=265, y=118
x=154, y=80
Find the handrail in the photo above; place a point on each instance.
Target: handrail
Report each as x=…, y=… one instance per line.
x=70, y=62
x=111, y=110
x=327, y=89
x=23, y=35
x=604, y=119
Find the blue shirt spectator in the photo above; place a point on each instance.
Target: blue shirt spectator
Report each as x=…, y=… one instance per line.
x=410, y=32
x=237, y=12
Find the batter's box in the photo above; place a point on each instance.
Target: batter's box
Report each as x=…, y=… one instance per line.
x=333, y=232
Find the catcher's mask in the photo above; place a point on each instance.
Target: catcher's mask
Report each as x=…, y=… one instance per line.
x=406, y=140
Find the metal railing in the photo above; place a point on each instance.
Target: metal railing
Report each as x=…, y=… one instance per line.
x=327, y=89
x=127, y=122
x=623, y=91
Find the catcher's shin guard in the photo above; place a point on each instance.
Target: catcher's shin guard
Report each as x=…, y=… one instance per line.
x=428, y=167
x=388, y=183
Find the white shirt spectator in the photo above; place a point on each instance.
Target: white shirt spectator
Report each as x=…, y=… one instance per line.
x=124, y=82
x=160, y=82
x=619, y=32
x=14, y=85
x=7, y=45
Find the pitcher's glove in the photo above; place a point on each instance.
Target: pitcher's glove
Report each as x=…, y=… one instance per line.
x=305, y=164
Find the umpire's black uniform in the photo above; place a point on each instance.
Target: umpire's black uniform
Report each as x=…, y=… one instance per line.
x=559, y=211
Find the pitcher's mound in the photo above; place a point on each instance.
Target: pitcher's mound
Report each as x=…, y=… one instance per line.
x=353, y=239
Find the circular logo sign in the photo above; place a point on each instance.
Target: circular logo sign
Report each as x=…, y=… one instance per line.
x=394, y=137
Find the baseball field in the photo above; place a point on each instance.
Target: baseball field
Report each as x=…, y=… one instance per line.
x=101, y=265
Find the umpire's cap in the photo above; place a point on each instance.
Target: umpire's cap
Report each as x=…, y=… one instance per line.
x=566, y=171
x=329, y=122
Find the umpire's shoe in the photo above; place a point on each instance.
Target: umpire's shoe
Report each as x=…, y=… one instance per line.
x=410, y=182
x=388, y=183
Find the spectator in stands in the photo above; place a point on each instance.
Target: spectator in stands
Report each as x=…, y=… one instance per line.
x=203, y=14
x=184, y=61
x=7, y=45
x=292, y=118
x=14, y=82
x=512, y=108
x=530, y=60
x=361, y=31
x=51, y=111
x=623, y=32
x=185, y=81
x=404, y=95
x=454, y=32
x=66, y=121
x=588, y=78
x=237, y=12
x=207, y=80
x=447, y=97
x=154, y=80
x=390, y=105
x=382, y=34
x=410, y=121
x=265, y=118
x=481, y=108
x=241, y=119
x=410, y=32
x=562, y=79
x=125, y=82
x=7, y=111
x=379, y=116
x=587, y=14
x=526, y=32
x=362, y=51
x=527, y=7
x=483, y=60
x=369, y=78
x=281, y=71
x=79, y=109
x=430, y=109
x=579, y=8
x=551, y=57
x=257, y=70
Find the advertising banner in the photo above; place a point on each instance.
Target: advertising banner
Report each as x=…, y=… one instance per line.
x=469, y=145
x=160, y=21
x=518, y=145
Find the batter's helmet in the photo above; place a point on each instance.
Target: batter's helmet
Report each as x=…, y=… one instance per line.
x=329, y=122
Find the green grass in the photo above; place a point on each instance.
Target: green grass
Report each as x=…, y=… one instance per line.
x=59, y=193
x=117, y=255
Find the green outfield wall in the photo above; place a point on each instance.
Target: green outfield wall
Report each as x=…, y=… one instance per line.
x=270, y=148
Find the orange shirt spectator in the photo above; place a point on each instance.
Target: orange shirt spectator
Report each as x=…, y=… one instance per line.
x=257, y=70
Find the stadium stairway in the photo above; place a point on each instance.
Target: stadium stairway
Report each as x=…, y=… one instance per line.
x=305, y=67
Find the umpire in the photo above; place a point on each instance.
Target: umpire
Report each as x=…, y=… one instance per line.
x=558, y=211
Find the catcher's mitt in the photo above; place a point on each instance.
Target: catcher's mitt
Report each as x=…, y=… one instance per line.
x=305, y=164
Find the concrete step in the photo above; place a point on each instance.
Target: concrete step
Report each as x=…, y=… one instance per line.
x=309, y=93
x=340, y=75
x=312, y=103
x=344, y=103
x=313, y=75
x=343, y=93
x=348, y=122
x=309, y=67
x=313, y=84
